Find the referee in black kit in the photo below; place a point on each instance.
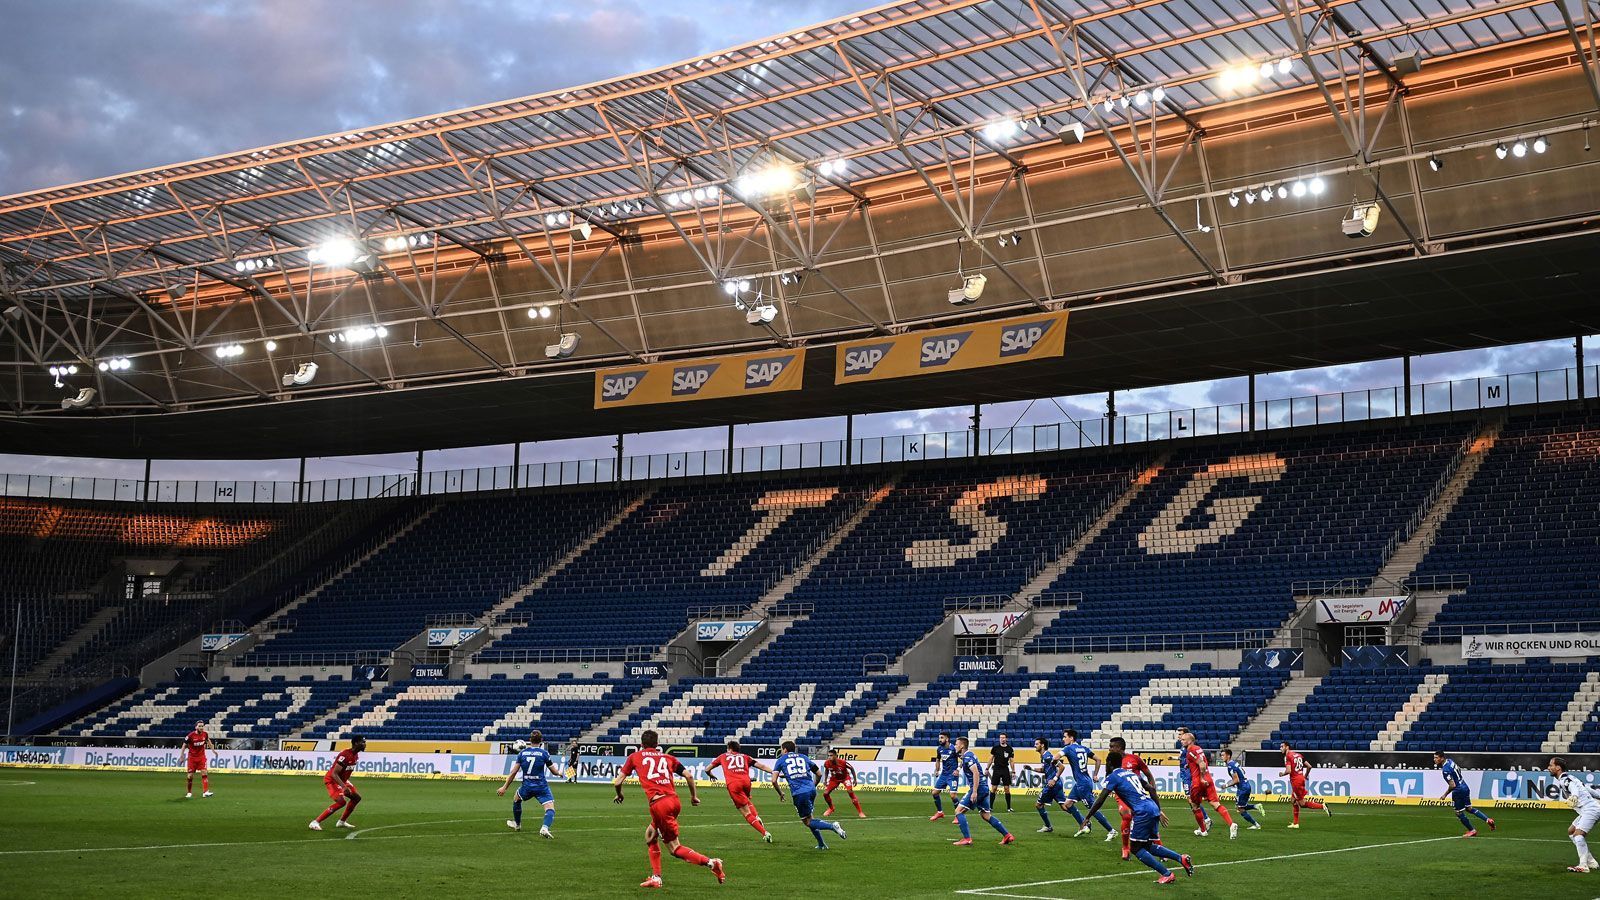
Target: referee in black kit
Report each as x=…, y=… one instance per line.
x=1000, y=767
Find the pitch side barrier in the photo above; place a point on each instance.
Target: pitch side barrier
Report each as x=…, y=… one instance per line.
x=904, y=769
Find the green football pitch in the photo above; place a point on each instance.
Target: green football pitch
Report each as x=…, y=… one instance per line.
x=132, y=835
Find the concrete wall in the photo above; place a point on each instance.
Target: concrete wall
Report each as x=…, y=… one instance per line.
x=1089, y=662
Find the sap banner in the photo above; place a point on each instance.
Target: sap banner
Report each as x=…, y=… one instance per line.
x=1354, y=610
x=1528, y=646
x=974, y=346
x=969, y=624
x=737, y=375
x=724, y=631
x=450, y=637
x=214, y=643
x=882, y=768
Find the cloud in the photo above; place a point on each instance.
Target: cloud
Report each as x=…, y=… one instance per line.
x=89, y=90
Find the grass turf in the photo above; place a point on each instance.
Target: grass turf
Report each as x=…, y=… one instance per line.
x=132, y=835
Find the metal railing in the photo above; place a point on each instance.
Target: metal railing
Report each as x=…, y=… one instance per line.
x=875, y=663
x=1451, y=582
x=1409, y=529
x=793, y=609
x=1469, y=394
x=1143, y=643
x=570, y=654
x=288, y=660
x=977, y=602
x=720, y=611
x=1056, y=599
x=1440, y=633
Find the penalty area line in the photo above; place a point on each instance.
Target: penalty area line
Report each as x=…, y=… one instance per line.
x=997, y=891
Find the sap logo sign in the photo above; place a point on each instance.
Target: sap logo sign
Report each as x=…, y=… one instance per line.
x=1401, y=784
x=1019, y=339
x=862, y=360
x=708, y=631
x=464, y=764
x=690, y=379
x=620, y=385
x=940, y=350
x=760, y=373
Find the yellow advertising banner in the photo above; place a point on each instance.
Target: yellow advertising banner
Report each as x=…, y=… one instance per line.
x=974, y=346
x=735, y=375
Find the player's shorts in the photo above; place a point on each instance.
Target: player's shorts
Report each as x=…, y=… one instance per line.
x=1000, y=777
x=335, y=789
x=1461, y=797
x=740, y=793
x=1586, y=820
x=664, y=816
x=1204, y=792
x=197, y=764
x=976, y=800
x=835, y=783
x=1053, y=793
x=804, y=803
x=947, y=782
x=1082, y=791
x=1297, y=787
x=1146, y=825
x=540, y=792
x=1241, y=795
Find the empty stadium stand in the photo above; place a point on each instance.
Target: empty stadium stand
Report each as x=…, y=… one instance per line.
x=1526, y=531
x=757, y=711
x=1422, y=708
x=1146, y=707
x=259, y=709
x=939, y=534
x=1216, y=543
x=486, y=709
x=462, y=559
x=688, y=546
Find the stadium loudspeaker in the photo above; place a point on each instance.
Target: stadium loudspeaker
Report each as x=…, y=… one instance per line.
x=1362, y=221
x=563, y=348
x=84, y=397
x=1408, y=63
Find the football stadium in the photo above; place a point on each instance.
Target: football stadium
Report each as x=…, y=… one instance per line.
x=1078, y=644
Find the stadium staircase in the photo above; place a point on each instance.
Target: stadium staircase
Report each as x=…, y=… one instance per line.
x=317, y=729
x=264, y=632
x=511, y=600
x=1580, y=712
x=789, y=582
x=648, y=697
x=1418, y=538
x=69, y=648
x=1260, y=729
x=1409, y=712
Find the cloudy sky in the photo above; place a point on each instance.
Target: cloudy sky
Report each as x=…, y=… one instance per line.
x=90, y=89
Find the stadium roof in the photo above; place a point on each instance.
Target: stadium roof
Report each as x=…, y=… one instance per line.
x=910, y=143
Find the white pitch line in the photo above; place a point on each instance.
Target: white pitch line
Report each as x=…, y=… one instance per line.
x=994, y=891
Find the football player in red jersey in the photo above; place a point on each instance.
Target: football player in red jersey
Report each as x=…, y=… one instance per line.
x=656, y=769
x=1296, y=767
x=1132, y=762
x=840, y=775
x=736, y=766
x=197, y=742
x=340, y=789
x=1202, y=788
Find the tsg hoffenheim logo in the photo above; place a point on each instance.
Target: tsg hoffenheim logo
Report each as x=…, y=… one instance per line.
x=760, y=373
x=1016, y=340
x=862, y=360
x=689, y=380
x=938, y=351
x=620, y=385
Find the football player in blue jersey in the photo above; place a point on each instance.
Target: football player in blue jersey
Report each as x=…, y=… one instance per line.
x=1459, y=793
x=536, y=766
x=1077, y=758
x=1240, y=783
x=976, y=797
x=801, y=773
x=1145, y=835
x=946, y=774
x=1051, y=790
